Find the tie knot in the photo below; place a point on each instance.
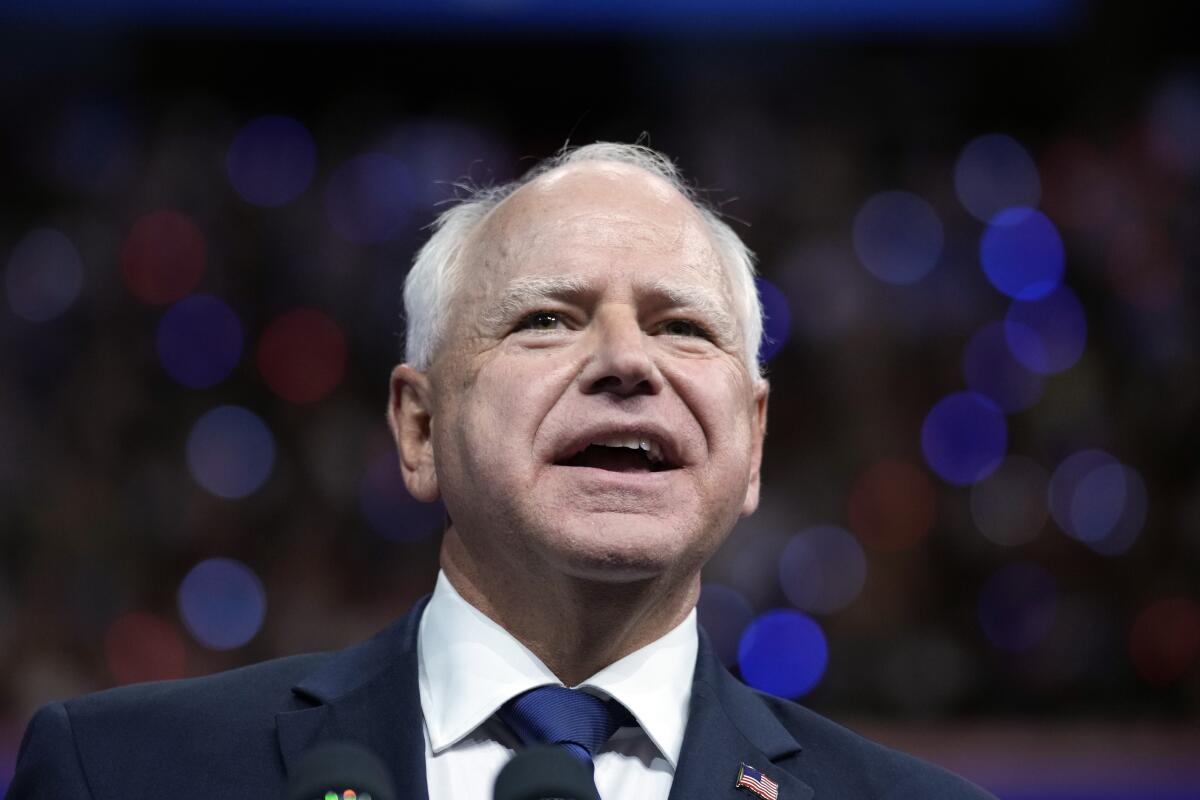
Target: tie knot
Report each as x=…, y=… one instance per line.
x=571, y=718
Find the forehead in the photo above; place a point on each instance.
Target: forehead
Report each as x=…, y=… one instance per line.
x=602, y=218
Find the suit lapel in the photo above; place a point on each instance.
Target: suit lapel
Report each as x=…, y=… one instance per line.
x=367, y=694
x=729, y=725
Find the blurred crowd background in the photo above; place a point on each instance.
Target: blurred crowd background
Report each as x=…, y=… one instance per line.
x=978, y=228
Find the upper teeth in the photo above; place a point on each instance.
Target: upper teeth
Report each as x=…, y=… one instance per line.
x=653, y=451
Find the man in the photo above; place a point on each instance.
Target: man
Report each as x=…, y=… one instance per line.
x=583, y=394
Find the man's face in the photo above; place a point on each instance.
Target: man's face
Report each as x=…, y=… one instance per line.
x=591, y=410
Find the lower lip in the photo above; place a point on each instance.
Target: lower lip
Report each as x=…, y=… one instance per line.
x=620, y=480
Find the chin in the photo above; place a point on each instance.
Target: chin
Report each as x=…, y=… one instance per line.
x=618, y=549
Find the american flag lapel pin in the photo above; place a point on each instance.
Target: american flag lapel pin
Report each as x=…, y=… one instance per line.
x=753, y=780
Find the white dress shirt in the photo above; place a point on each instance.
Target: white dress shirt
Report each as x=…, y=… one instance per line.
x=468, y=666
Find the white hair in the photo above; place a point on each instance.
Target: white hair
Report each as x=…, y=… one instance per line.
x=437, y=268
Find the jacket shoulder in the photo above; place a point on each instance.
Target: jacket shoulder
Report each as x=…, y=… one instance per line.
x=143, y=739
x=235, y=697
x=836, y=761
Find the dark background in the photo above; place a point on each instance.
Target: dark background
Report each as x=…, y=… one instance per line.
x=1080, y=679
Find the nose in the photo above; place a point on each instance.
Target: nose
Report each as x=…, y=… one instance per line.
x=620, y=362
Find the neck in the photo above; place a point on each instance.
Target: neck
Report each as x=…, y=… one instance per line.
x=575, y=625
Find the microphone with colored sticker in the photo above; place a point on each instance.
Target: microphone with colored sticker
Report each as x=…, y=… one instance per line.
x=340, y=771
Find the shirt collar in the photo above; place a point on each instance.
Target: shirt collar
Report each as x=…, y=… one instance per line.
x=468, y=666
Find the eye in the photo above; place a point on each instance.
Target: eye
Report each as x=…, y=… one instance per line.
x=684, y=327
x=541, y=321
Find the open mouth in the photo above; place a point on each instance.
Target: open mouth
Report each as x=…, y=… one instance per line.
x=631, y=456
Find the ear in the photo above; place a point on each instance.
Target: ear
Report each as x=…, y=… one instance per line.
x=758, y=432
x=410, y=417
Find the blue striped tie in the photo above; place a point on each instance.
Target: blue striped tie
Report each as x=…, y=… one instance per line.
x=574, y=720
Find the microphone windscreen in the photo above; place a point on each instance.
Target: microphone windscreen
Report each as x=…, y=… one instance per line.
x=537, y=773
x=341, y=769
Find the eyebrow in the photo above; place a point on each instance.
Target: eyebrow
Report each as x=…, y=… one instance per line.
x=525, y=292
x=702, y=301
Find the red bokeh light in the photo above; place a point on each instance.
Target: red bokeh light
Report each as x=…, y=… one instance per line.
x=162, y=259
x=302, y=355
x=893, y=504
x=1165, y=640
x=143, y=647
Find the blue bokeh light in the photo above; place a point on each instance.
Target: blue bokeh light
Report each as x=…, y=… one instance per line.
x=990, y=368
x=369, y=198
x=724, y=613
x=230, y=452
x=777, y=319
x=1098, y=500
x=222, y=603
x=1047, y=335
x=994, y=172
x=822, y=569
x=898, y=237
x=44, y=275
x=271, y=161
x=445, y=153
x=388, y=507
x=964, y=437
x=1127, y=525
x=1022, y=253
x=199, y=341
x=1065, y=481
x=1097, y=503
x=1017, y=606
x=784, y=653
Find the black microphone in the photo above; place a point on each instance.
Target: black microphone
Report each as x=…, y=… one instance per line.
x=340, y=771
x=538, y=773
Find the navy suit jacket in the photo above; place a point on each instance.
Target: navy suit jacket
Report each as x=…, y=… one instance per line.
x=236, y=734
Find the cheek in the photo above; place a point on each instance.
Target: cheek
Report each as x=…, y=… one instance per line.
x=473, y=461
x=721, y=402
x=503, y=411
